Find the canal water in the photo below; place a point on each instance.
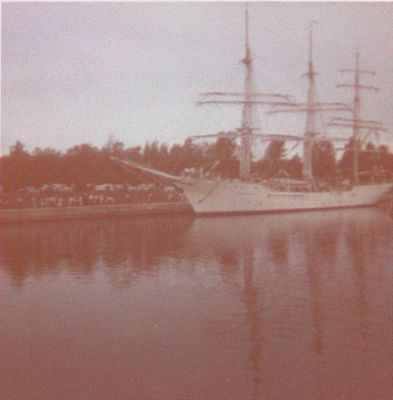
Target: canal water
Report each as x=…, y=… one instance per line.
x=290, y=306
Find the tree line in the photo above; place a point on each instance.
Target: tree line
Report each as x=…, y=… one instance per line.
x=86, y=164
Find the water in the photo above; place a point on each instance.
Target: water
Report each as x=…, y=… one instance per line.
x=291, y=306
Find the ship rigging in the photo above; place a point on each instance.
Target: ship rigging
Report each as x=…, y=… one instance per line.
x=225, y=196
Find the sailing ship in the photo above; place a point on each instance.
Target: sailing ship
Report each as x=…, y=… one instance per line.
x=219, y=196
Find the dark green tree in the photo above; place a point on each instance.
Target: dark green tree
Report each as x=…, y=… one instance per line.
x=324, y=161
x=16, y=168
x=272, y=161
x=223, y=151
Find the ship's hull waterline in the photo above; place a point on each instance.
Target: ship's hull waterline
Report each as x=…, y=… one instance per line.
x=223, y=197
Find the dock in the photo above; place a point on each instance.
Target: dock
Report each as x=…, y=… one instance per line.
x=9, y=216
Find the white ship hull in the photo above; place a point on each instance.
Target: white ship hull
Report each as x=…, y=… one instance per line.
x=215, y=197
x=223, y=196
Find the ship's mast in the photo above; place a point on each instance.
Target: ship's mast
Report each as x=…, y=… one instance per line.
x=357, y=123
x=245, y=149
x=356, y=117
x=248, y=99
x=310, y=117
x=311, y=108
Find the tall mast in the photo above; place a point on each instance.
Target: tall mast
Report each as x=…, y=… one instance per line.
x=356, y=117
x=311, y=108
x=357, y=123
x=245, y=149
x=310, y=116
x=248, y=99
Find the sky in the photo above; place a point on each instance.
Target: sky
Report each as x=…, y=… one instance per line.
x=75, y=73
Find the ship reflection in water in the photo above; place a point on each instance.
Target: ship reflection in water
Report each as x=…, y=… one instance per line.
x=291, y=306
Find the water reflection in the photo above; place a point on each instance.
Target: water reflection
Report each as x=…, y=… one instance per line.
x=322, y=248
x=298, y=305
x=359, y=252
x=253, y=318
x=119, y=245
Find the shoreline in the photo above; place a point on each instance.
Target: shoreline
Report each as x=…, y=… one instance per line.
x=9, y=216
x=16, y=215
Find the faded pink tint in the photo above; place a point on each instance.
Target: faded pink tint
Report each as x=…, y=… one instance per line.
x=292, y=306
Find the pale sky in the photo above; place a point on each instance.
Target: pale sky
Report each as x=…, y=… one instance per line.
x=76, y=73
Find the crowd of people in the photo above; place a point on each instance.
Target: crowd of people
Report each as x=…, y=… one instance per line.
x=58, y=195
